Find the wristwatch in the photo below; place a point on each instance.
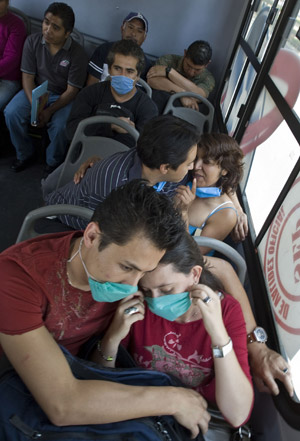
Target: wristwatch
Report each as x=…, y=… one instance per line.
x=168, y=69
x=258, y=334
x=222, y=351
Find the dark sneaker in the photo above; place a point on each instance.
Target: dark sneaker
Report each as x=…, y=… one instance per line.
x=19, y=165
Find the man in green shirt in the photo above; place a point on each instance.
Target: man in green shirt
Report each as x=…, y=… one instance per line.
x=187, y=73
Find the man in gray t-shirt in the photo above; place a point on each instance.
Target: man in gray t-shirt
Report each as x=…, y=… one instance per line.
x=53, y=56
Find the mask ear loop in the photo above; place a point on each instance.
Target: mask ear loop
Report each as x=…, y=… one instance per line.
x=77, y=252
x=73, y=257
x=80, y=255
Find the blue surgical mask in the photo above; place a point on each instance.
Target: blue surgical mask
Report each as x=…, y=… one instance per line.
x=121, y=84
x=105, y=291
x=110, y=291
x=206, y=192
x=159, y=186
x=170, y=306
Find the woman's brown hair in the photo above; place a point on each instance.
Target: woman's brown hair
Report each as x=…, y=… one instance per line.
x=225, y=151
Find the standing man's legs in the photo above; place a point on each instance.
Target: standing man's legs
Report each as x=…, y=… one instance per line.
x=17, y=117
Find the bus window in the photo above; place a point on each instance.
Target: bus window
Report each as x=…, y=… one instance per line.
x=240, y=85
x=276, y=149
x=279, y=253
x=271, y=186
x=274, y=7
x=271, y=166
x=242, y=73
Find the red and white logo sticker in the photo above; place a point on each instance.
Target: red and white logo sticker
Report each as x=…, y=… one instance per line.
x=282, y=262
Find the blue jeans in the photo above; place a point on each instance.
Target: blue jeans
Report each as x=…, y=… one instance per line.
x=17, y=117
x=7, y=90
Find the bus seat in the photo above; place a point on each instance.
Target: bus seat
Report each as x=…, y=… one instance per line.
x=200, y=119
x=83, y=146
x=227, y=251
x=27, y=230
x=23, y=17
x=77, y=36
x=144, y=85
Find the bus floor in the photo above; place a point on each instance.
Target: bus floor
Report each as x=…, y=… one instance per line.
x=20, y=192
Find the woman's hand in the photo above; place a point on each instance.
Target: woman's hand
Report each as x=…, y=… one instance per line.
x=209, y=304
x=185, y=196
x=83, y=168
x=234, y=393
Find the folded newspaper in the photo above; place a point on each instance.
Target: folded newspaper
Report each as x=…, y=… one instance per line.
x=39, y=101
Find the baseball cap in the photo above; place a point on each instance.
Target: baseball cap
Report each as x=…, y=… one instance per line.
x=138, y=15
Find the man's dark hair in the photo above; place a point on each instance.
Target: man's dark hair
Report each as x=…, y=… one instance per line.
x=166, y=139
x=64, y=12
x=127, y=48
x=185, y=255
x=137, y=209
x=199, y=52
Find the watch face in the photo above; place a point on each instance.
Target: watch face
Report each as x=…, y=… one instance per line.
x=260, y=334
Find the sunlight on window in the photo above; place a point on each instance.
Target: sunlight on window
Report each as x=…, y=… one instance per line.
x=273, y=162
x=276, y=151
x=295, y=365
x=279, y=253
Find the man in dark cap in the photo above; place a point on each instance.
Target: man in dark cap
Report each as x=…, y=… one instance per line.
x=134, y=27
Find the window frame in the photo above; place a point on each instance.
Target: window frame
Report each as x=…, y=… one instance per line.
x=286, y=406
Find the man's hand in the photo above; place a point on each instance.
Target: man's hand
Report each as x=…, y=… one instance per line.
x=191, y=411
x=130, y=310
x=156, y=71
x=119, y=129
x=44, y=117
x=189, y=102
x=83, y=168
x=240, y=230
x=266, y=366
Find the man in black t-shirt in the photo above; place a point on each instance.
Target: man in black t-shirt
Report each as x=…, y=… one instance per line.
x=118, y=96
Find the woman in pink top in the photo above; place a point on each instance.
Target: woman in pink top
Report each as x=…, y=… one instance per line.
x=190, y=328
x=12, y=37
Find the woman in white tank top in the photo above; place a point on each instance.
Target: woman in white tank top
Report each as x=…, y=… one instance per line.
x=217, y=171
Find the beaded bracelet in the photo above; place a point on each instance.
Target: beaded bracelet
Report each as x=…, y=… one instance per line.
x=100, y=352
